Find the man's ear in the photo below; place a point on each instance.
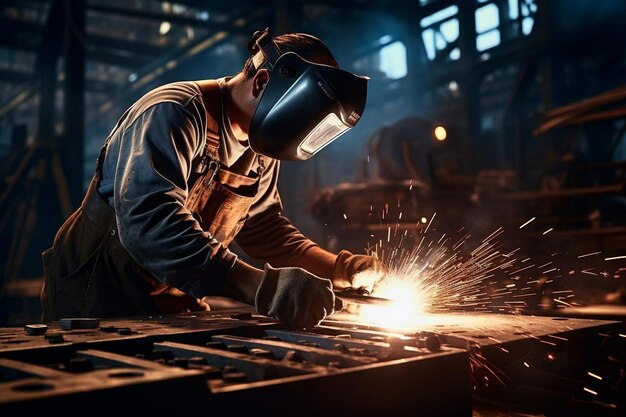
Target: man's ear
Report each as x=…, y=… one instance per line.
x=259, y=82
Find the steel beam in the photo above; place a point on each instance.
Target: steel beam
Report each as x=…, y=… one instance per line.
x=74, y=104
x=46, y=67
x=14, y=76
x=158, y=16
x=141, y=48
x=121, y=60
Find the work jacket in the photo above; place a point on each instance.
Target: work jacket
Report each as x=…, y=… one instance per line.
x=172, y=188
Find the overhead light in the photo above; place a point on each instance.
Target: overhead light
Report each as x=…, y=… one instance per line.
x=164, y=28
x=385, y=39
x=440, y=133
x=132, y=77
x=453, y=85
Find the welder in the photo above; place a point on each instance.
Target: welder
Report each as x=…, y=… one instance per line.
x=192, y=166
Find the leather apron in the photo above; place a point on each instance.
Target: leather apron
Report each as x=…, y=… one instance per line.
x=87, y=271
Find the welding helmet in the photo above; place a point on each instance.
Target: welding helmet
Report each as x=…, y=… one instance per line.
x=304, y=106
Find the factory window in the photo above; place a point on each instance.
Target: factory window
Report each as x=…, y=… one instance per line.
x=392, y=60
x=487, y=23
x=523, y=10
x=440, y=34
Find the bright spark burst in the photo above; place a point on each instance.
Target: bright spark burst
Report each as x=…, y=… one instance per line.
x=443, y=274
x=432, y=278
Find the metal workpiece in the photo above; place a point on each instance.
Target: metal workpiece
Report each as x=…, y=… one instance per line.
x=362, y=298
x=79, y=323
x=109, y=385
x=240, y=363
x=232, y=362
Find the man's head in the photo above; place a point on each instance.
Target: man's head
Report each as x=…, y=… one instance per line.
x=307, y=46
x=292, y=99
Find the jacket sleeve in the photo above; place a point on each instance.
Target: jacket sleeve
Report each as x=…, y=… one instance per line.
x=154, y=160
x=268, y=236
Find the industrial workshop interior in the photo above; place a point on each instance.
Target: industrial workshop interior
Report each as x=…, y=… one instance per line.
x=313, y=208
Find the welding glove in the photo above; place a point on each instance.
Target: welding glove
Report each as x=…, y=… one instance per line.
x=295, y=297
x=360, y=272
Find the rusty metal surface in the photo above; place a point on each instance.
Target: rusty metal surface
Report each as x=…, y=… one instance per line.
x=239, y=363
x=224, y=362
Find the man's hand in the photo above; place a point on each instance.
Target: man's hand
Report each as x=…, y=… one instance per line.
x=357, y=271
x=295, y=297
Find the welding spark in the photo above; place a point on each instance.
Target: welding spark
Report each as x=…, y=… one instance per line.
x=589, y=254
x=598, y=377
x=590, y=391
x=527, y=223
x=429, y=223
x=548, y=231
x=615, y=258
x=436, y=276
x=433, y=279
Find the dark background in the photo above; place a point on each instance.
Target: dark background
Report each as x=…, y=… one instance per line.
x=488, y=71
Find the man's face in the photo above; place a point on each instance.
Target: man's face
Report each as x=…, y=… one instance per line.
x=253, y=88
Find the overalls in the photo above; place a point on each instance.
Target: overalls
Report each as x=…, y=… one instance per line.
x=88, y=273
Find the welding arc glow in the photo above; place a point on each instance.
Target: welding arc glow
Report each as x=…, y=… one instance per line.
x=431, y=280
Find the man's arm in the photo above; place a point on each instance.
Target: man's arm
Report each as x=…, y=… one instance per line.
x=150, y=189
x=268, y=236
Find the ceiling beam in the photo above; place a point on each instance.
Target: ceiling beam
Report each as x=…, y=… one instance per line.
x=126, y=61
x=21, y=77
x=140, y=48
x=14, y=76
x=15, y=41
x=27, y=36
x=158, y=16
x=20, y=26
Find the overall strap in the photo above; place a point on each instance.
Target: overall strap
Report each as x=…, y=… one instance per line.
x=212, y=98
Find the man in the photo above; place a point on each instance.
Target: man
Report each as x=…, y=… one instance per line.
x=192, y=166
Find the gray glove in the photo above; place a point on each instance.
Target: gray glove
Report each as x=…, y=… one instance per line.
x=295, y=297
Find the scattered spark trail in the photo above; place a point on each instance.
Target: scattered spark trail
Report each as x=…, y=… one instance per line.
x=429, y=223
x=589, y=254
x=598, y=377
x=433, y=278
x=448, y=273
x=527, y=223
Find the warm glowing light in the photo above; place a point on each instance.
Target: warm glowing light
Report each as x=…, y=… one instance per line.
x=435, y=278
x=440, y=133
x=409, y=304
x=165, y=28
